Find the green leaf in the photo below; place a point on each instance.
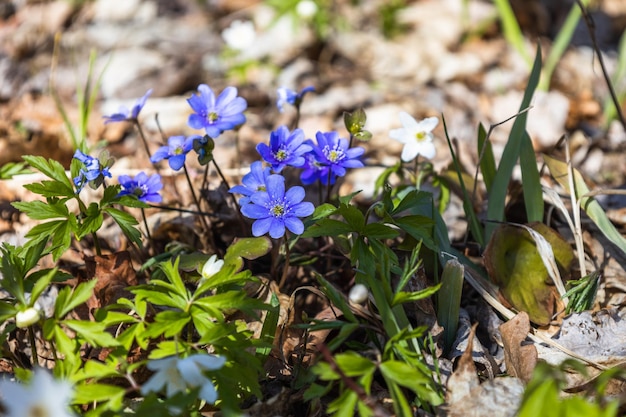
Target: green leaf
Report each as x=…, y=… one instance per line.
x=126, y=222
x=402, y=296
x=39, y=210
x=323, y=211
x=93, y=332
x=91, y=222
x=594, y=210
x=468, y=207
x=353, y=216
x=355, y=121
x=327, y=227
x=531, y=184
x=62, y=238
x=405, y=375
x=89, y=393
x=10, y=169
x=41, y=284
x=69, y=299
x=352, y=364
x=248, y=248
x=380, y=231
x=50, y=168
x=487, y=160
x=94, y=369
x=449, y=300
x=510, y=155
x=51, y=189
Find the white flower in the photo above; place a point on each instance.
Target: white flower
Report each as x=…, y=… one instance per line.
x=239, y=35
x=211, y=267
x=358, y=294
x=416, y=136
x=176, y=375
x=306, y=9
x=43, y=397
x=27, y=317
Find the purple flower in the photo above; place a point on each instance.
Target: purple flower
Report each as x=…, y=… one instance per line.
x=274, y=209
x=94, y=170
x=288, y=96
x=285, y=148
x=253, y=181
x=312, y=169
x=145, y=188
x=175, y=151
x=216, y=115
x=124, y=114
x=334, y=155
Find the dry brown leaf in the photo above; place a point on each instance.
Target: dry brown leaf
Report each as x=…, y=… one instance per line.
x=466, y=397
x=520, y=359
x=113, y=273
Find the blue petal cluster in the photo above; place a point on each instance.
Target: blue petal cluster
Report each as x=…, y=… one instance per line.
x=125, y=114
x=275, y=210
x=93, y=172
x=288, y=96
x=285, y=149
x=145, y=188
x=330, y=158
x=216, y=115
x=253, y=181
x=175, y=151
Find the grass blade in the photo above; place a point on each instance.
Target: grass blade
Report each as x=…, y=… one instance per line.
x=486, y=158
x=497, y=196
x=594, y=210
x=449, y=300
x=531, y=184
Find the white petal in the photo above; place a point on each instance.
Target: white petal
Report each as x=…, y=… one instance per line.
x=208, y=362
x=208, y=393
x=399, y=135
x=408, y=121
x=410, y=151
x=427, y=150
x=428, y=124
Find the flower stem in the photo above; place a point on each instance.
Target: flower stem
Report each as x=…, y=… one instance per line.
x=205, y=225
x=33, y=346
x=145, y=223
x=283, y=278
x=96, y=243
x=143, y=138
x=232, y=196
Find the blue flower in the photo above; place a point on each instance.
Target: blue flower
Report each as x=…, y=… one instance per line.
x=253, y=181
x=285, y=148
x=175, y=151
x=216, y=115
x=274, y=209
x=288, y=96
x=334, y=155
x=312, y=169
x=124, y=114
x=145, y=188
x=94, y=170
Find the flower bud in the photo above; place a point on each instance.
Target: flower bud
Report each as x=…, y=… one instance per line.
x=358, y=294
x=27, y=317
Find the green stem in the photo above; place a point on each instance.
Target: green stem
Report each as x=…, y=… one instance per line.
x=283, y=278
x=33, y=345
x=96, y=243
x=207, y=230
x=143, y=138
x=145, y=223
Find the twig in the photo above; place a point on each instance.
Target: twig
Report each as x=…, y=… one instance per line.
x=592, y=34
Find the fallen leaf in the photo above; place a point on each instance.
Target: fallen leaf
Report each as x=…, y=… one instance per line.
x=516, y=266
x=520, y=359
